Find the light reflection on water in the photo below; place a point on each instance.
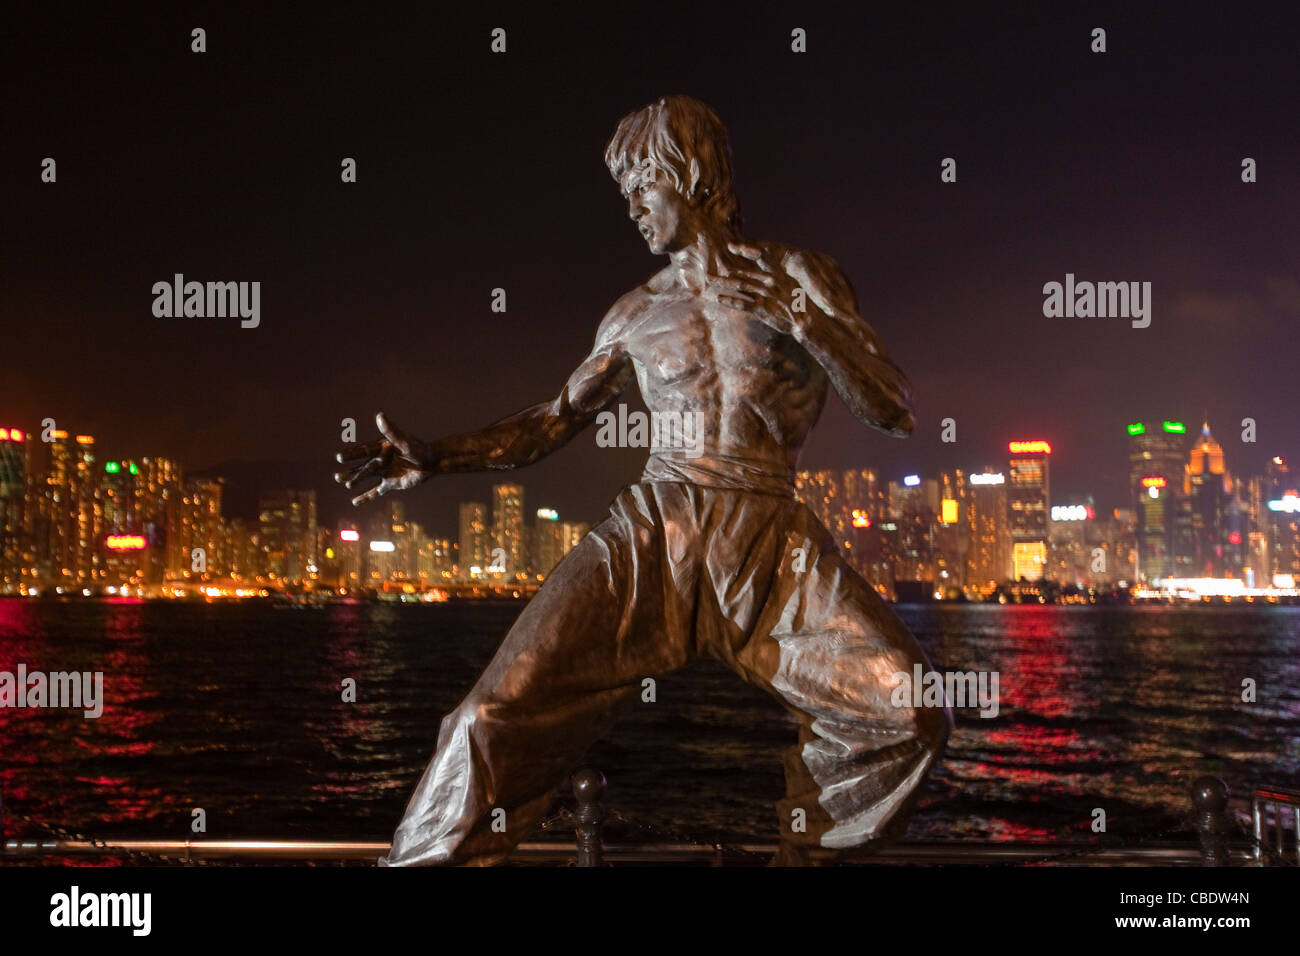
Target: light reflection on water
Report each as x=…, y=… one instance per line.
x=236, y=708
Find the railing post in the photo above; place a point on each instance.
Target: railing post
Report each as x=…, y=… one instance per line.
x=588, y=785
x=1210, y=800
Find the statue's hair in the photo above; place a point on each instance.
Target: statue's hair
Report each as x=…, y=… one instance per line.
x=670, y=133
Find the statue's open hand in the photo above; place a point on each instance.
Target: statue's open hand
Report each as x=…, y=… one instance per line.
x=750, y=283
x=397, y=460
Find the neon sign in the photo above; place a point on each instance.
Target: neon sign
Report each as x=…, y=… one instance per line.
x=1072, y=513
x=1029, y=448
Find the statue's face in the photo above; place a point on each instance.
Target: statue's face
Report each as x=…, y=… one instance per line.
x=664, y=219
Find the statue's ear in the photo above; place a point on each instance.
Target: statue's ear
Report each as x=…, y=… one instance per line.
x=694, y=170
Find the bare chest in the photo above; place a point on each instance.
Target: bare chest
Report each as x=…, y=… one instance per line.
x=685, y=337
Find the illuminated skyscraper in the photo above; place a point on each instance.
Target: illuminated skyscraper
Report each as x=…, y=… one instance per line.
x=1282, y=524
x=952, y=538
x=548, y=541
x=88, y=530
x=13, y=493
x=287, y=526
x=572, y=532
x=127, y=550
x=243, y=549
x=473, y=540
x=508, y=526
x=57, y=525
x=1208, y=501
x=1157, y=464
x=914, y=509
x=160, y=493
x=1028, y=493
x=193, y=524
x=1073, y=535
x=988, y=560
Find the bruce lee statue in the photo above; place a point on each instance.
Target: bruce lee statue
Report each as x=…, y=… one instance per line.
x=709, y=553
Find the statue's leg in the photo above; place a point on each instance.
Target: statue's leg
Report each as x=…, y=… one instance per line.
x=829, y=647
x=580, y=648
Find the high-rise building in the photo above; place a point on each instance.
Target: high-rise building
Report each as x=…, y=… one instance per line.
x=1074, y=535
x=1028, y=493
x=243, y=549
x=435, y=561
x=548, y=541
x=160, y=493
x=128, y=550
x=988, y=560
x=13, y=517
x=473, y=539
x=287, y=527
x=914, y=510
x=1157, y=463
x=508, y=527
x=1282, y=524
x=197, y=542
x=572, y=533
x=952, y=537
x=1211, y=514
x=57, y=525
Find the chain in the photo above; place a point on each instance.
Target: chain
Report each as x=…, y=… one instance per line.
x=1094, y=849
x=676, y=837
x=565, y=818
x=140, y=856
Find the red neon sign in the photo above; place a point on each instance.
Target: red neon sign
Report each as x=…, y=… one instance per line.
x=1029, y=448
x=126, y=542
x=1153, y=482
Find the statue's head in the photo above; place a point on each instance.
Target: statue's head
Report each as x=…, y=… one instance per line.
x=672, y=161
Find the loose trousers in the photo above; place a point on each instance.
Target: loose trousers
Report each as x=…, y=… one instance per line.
x=677, y=571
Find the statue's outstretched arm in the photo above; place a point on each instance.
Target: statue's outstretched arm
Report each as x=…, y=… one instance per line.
x=535, y=432
x=399, y=461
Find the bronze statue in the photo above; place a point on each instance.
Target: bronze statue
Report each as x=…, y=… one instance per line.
x=710, y=553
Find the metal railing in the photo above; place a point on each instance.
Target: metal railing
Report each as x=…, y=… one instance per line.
x=1283, y=803
x=1209, y=821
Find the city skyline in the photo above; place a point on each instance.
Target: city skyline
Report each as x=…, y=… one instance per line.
x=951, y=274
x=1189, y=513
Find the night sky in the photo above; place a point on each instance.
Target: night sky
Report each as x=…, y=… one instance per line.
x=478, y=170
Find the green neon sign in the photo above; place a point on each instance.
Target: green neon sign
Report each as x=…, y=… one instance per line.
x=1137, y=428
x=111, y=468
x=1177, y=428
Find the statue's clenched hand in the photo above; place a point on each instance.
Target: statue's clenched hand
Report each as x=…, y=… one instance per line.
x=397, y=460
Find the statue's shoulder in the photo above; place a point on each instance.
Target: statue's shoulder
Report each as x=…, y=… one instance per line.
x=624, y=312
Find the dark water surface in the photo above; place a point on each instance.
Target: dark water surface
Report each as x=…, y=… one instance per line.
x=235, y=708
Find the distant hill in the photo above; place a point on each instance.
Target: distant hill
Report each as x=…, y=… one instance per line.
x=246, y=481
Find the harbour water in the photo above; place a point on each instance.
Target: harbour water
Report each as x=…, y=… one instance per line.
x=236, y=708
